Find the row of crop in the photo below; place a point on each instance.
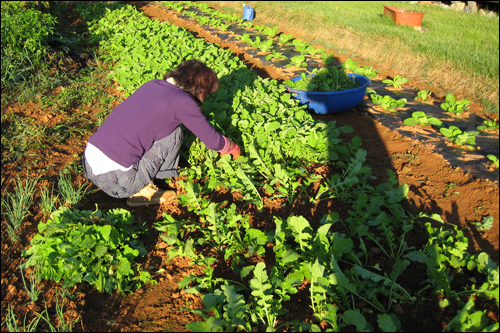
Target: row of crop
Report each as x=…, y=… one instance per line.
x=280, y=141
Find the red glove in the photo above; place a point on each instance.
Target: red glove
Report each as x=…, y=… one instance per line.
x=230, y=148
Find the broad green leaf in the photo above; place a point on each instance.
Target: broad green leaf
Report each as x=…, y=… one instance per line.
x=354, y=317
x=485, y=224
x=385, y=323
x=212, y=300
x=246, y=270
x=105, y=232
x=417, y=256
x=100, y=250
x=236, y=306
x=211, y=325
x=260, y=285
x=410, y=122
x=124, y=267
x=302, y=231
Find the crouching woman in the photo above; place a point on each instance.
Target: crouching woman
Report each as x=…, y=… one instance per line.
x=141, y=138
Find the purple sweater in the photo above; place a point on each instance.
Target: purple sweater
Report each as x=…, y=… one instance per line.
x=148, y=115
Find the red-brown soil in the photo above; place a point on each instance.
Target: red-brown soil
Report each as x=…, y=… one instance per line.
x=162, y=307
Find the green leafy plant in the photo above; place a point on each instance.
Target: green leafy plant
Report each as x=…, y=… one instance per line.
x=297, y=61
x=455, y=135
x=84, y=246
x=423, y=94
x=494, y=160
x=397, y=82
x=452, y=105
x=422, y=119
x=247, y=24
x=271, y=32
x=485, y=224
x=489, y=125
x=260, y=28
x=350, y=65
x=366, y=71
x=284, y=39
x=311, y=51
x=387, y=102
x=327, y=58
x=300, y=45
x=469, y=320
x=276, y=56
x=266, y=46
x=245, y=37
x=326, y=79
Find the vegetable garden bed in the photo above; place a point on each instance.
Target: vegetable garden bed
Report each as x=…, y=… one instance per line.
x=306, y=231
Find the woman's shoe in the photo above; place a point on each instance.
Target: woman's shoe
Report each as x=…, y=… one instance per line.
x=150, y=194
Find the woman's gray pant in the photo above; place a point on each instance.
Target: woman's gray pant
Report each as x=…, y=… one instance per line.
x=159, y=162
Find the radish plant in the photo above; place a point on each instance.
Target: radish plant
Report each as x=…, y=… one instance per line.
x=350, y=65
x=271, y=32
x=276, y=56
x=423, y=94
x=397, y=82
x=457, y=136
x=489, y=125
x=422, y=119
x=284, y=39
x=297, y=61
x=387, y=102
x=84, y=246
x=452, y=105
x=366, y=71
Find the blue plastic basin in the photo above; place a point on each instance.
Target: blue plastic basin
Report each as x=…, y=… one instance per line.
x=325, y=102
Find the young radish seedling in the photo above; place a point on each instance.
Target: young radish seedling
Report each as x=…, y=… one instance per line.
x=423, y=94
x=454, y=106
x=387, y=102
x=284, y=39
x=455, y=135
x=420, y=118
x=350, y=65
x=275, y=55
x=489, y=125
x=397, y=82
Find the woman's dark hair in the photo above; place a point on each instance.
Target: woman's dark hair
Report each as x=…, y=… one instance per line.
x=195, y=78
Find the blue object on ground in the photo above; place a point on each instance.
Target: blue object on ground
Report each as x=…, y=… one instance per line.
x=248, y=13
x=325, y=102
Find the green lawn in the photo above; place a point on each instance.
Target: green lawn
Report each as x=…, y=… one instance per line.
x=469, y=41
